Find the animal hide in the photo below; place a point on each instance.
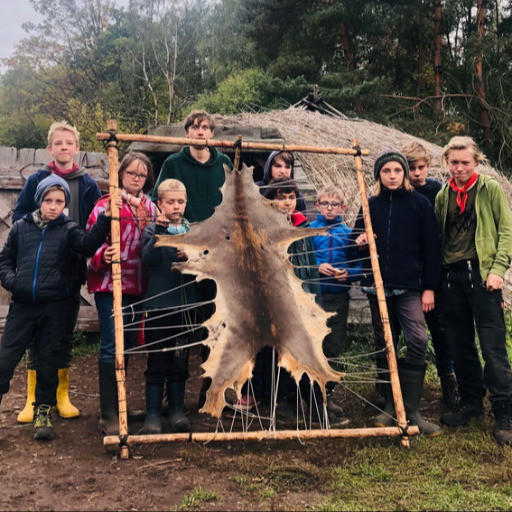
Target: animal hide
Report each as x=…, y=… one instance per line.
x=260, y=302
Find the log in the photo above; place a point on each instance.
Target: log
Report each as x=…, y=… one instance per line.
x=184, y=141
x=379, y=285
x=261, y=435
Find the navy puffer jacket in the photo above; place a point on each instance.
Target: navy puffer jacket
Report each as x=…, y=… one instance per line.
x=38, y=265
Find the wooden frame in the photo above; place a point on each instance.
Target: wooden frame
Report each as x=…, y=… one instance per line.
x=124, y=440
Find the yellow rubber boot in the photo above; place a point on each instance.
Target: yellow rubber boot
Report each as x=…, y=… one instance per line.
x=64, y=406
x=27, y=414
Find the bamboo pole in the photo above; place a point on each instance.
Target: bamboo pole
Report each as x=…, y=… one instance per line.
x=184, y=141
x=115, y=235
x=262, y=435
x=381, y=298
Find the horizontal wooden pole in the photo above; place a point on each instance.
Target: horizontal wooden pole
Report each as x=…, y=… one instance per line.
x=184, y=141
x=261, y=435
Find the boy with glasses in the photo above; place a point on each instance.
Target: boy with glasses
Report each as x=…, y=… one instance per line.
x=338, y=267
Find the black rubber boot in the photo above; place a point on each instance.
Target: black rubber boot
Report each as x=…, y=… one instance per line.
x=387, y=417
x=450, y=390
x=465, y=411
x=177, y=419
x=109, y=421
x=411, y=382
x=153, y=423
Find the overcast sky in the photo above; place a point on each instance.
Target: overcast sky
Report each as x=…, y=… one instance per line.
x=13, y=13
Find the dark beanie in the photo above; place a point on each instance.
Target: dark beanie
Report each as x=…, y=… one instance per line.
x=389, y=155
x=51, y=181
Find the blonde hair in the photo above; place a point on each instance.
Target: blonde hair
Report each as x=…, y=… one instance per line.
x=463, y=142
x=171, y=185
x=406, y=185
x=331, y=190
x=415, y=151
x=63, y=126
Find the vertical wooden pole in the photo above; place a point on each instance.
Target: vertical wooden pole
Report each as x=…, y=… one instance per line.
x=381, y=298
x=113, y=157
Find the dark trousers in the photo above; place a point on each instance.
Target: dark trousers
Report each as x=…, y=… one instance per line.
x=43, y=324
x=166, y=360
x=67, y=343
x=334, y=343
x=467, y=303
x=436, y=326
x=405, y=314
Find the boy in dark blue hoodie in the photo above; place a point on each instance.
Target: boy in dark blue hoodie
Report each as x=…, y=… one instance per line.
x=37, y=265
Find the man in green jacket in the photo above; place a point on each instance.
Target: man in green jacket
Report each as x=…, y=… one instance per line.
x=476, y=225
x=199, y=168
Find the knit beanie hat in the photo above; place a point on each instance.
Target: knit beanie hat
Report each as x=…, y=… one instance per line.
x=51, y=181
x=389, y=155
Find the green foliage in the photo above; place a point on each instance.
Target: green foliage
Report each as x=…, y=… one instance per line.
x=196, y=497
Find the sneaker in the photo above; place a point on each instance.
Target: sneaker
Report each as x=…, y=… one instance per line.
x=42, y=423
x=246, y=403
x=463, y=414
x=503, y=428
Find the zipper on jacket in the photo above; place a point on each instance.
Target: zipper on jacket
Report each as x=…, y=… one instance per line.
x=36, y=267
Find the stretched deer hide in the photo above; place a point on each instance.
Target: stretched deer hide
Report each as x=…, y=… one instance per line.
x=260, y=302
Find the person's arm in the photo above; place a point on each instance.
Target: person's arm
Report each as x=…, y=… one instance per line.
x=151, y=255
x=503, y=219
x=8, y=260
x=430, y=250
x=88, y=242
x=25, y=203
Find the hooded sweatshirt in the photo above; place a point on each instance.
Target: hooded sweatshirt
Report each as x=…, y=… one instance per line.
x=267, y=177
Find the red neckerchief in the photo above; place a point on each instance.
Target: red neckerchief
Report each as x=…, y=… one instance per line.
x=59, y=172
x=462, y=193
x=297, y=218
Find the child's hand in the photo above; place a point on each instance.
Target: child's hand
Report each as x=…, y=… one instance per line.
x=108, y=209
x=427, y=300
x=362, y=240
x=162, y=220
x=328, y=270
x=108, y=254
x=182, y=256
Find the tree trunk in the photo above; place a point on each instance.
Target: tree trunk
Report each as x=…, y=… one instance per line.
x=479, y=79
x=437, y=55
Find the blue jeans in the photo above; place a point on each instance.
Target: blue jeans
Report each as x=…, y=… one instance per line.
x=405, y=314
x=104, y=305
x=467, y=303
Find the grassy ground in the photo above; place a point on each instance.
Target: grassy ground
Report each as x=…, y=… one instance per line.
x=464, y=469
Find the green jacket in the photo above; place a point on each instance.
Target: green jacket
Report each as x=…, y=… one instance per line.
x=202, y=181
x=493, y=236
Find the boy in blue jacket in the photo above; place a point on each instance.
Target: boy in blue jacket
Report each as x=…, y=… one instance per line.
x=339, y=265
x=37, y=265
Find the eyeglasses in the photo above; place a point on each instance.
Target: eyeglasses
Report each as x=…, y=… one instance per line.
x=134, y=175
x=326, y=204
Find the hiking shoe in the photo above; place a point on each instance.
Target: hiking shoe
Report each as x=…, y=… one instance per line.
x=464, y=412
x=42, y=423
x=503, y=428
x=246, y=403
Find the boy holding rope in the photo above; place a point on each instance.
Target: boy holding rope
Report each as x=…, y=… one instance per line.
x=37, y=265
x=339, y=265
x=168, y=298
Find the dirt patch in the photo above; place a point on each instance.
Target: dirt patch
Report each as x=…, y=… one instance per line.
x=76, y=472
